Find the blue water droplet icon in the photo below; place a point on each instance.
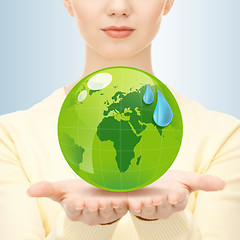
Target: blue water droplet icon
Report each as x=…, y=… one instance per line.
x=163, y=114
x=148, y=95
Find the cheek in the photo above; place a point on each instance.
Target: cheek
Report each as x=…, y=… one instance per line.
x=84, y=25
x=87, y=16
x=85, y=13
x=150, y=14
x=149, y=18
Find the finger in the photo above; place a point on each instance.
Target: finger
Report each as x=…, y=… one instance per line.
x=80, y=204
x=181, y=204
x=120, y=208
x=164, y=206
x=212, y=183
x=116, y=202
x=195, y=181
x=149, y=212
x=45, y=189
x=147, y=201
x=159, y=199
x=90, y=217
x=72, y=213
x=106, y=211
x=176, y=195
x=103, y=203
x=92, y=204
x=135, y=205
x=164, y=210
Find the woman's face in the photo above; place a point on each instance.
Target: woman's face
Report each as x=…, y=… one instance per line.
x=142, y=15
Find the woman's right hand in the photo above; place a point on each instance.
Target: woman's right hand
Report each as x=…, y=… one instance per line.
x=82, y=201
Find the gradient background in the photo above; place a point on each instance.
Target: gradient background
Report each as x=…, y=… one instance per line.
x=196, y=52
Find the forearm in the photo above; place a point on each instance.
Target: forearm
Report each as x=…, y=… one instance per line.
x=179, y=226
x=76, y=230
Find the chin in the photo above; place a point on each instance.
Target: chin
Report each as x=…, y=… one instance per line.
x=116, y=53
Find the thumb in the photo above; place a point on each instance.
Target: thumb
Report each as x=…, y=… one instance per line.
x=196, y=181
x=45, y=189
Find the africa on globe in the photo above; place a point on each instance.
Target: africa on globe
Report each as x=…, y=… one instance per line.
x=120, y=128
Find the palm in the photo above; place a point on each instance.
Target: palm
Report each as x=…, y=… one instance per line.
x=172, y=187
x=82, y=201
x=84, y=193
x=169, y=193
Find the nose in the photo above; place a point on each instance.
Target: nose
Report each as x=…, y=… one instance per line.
x=118, y=7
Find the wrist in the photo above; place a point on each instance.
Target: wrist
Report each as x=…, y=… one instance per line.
x=144, y=219
x=109, y=222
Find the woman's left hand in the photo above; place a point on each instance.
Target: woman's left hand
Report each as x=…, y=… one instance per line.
x=169, y=193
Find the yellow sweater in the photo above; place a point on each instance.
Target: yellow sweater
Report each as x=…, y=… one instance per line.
x=30, y=152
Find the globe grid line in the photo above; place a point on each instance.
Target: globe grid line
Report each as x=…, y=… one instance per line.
x=94, y=108
x=78, y=135
x=99, y=144
x=120, y=133
x=151, y=130
x=113, y=171
x=139, y=170
x=161, y=148
x=106, y=150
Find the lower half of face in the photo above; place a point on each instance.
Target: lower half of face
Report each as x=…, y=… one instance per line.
x=144, y=16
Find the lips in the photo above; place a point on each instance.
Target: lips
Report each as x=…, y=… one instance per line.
x=118, y=32
x=115, y=28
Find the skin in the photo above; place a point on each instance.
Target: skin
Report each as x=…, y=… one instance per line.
x=159, y=200
x=169, y=194
x=134, y=51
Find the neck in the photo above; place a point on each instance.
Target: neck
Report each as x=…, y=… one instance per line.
x=94, y=61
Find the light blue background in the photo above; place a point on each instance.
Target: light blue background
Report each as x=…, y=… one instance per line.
x=196, y=51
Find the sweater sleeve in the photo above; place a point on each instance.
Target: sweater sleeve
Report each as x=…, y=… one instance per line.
x=20, y=216
x=217, y=213
x=179, y=226
x=73, y=230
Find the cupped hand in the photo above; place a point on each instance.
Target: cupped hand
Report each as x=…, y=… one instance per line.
x=169, y=194
x=82, y=201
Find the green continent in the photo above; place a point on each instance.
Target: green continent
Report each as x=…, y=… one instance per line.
x=93, y=91
x=124, y=123
x=132, y=101
x=75, y=152
x=138, y=160
x=123, y=138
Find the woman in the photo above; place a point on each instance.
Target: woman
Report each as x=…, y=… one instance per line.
x=196, y=199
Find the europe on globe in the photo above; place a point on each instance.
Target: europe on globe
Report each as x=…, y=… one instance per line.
x=120, y=128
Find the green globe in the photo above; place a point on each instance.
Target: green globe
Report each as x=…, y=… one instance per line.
x=120, y=128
